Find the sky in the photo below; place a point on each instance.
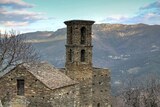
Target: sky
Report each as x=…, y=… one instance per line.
x=48, y=15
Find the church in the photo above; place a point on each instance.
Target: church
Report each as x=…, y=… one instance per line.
x=79, y=84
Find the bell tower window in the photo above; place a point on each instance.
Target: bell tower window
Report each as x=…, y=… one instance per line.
x=83, y=35
x=82, y=55
x=70, y=35
x=70, y=56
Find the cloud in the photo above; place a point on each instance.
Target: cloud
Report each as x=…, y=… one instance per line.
x=115, y=19
x=18, y=15
x=154, y=5
x=149, y=14
x=15, y=4
x=14, y=24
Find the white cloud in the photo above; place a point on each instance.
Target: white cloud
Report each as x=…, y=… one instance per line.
x=14, y=24
x=153, y=5
x=149, y=14
x=15, y=4
x=115, y=19
x=18, y=15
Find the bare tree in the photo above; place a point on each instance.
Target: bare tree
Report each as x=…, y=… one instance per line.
x=14, y=50
x=151, y=96
x=131, y=93
x=140, y=93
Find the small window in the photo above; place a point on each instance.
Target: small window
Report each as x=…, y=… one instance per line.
x=20, y=86
x=70, y=55
x=70, y=35
x=83, y=35
x=82, y=55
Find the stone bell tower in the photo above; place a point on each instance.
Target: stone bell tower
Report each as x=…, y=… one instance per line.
x=79, y=57
x=78, y=47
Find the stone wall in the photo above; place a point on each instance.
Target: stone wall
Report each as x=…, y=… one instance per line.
x=101, y=88
x=36, y=93
x=85, y=93
x=79, y=73
x=77, y=55
x=83, y=74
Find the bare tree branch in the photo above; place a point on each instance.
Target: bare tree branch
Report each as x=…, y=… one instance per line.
x=14, y=50
x=140, y=93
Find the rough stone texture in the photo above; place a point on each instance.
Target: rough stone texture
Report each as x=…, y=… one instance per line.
x=1, y=104
x=101, y=87
x=91, y=95
x=37, y=94
x=85, y=84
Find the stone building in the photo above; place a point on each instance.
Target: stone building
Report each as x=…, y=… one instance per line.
x=79, y=84
x=40, y=85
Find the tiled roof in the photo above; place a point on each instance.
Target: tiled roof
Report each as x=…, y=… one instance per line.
x=49, y=75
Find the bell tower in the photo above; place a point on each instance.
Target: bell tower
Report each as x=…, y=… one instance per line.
x=79, y=44
x=93, y=83
x=79, y=57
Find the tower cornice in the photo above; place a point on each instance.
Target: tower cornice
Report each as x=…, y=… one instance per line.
x=70, y=22
x=79, y=45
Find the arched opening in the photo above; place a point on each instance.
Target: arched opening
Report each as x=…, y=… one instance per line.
x=82, y=55
x=70, y=40
x=83, y=35
x=98, y=105
x=70, y=56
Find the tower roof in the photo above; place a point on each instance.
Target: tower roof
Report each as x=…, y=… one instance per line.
x=90, y=22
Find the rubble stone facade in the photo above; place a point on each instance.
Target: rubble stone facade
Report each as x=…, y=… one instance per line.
x=101, y=88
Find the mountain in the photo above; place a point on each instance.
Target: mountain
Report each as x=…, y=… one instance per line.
x=127, y=50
